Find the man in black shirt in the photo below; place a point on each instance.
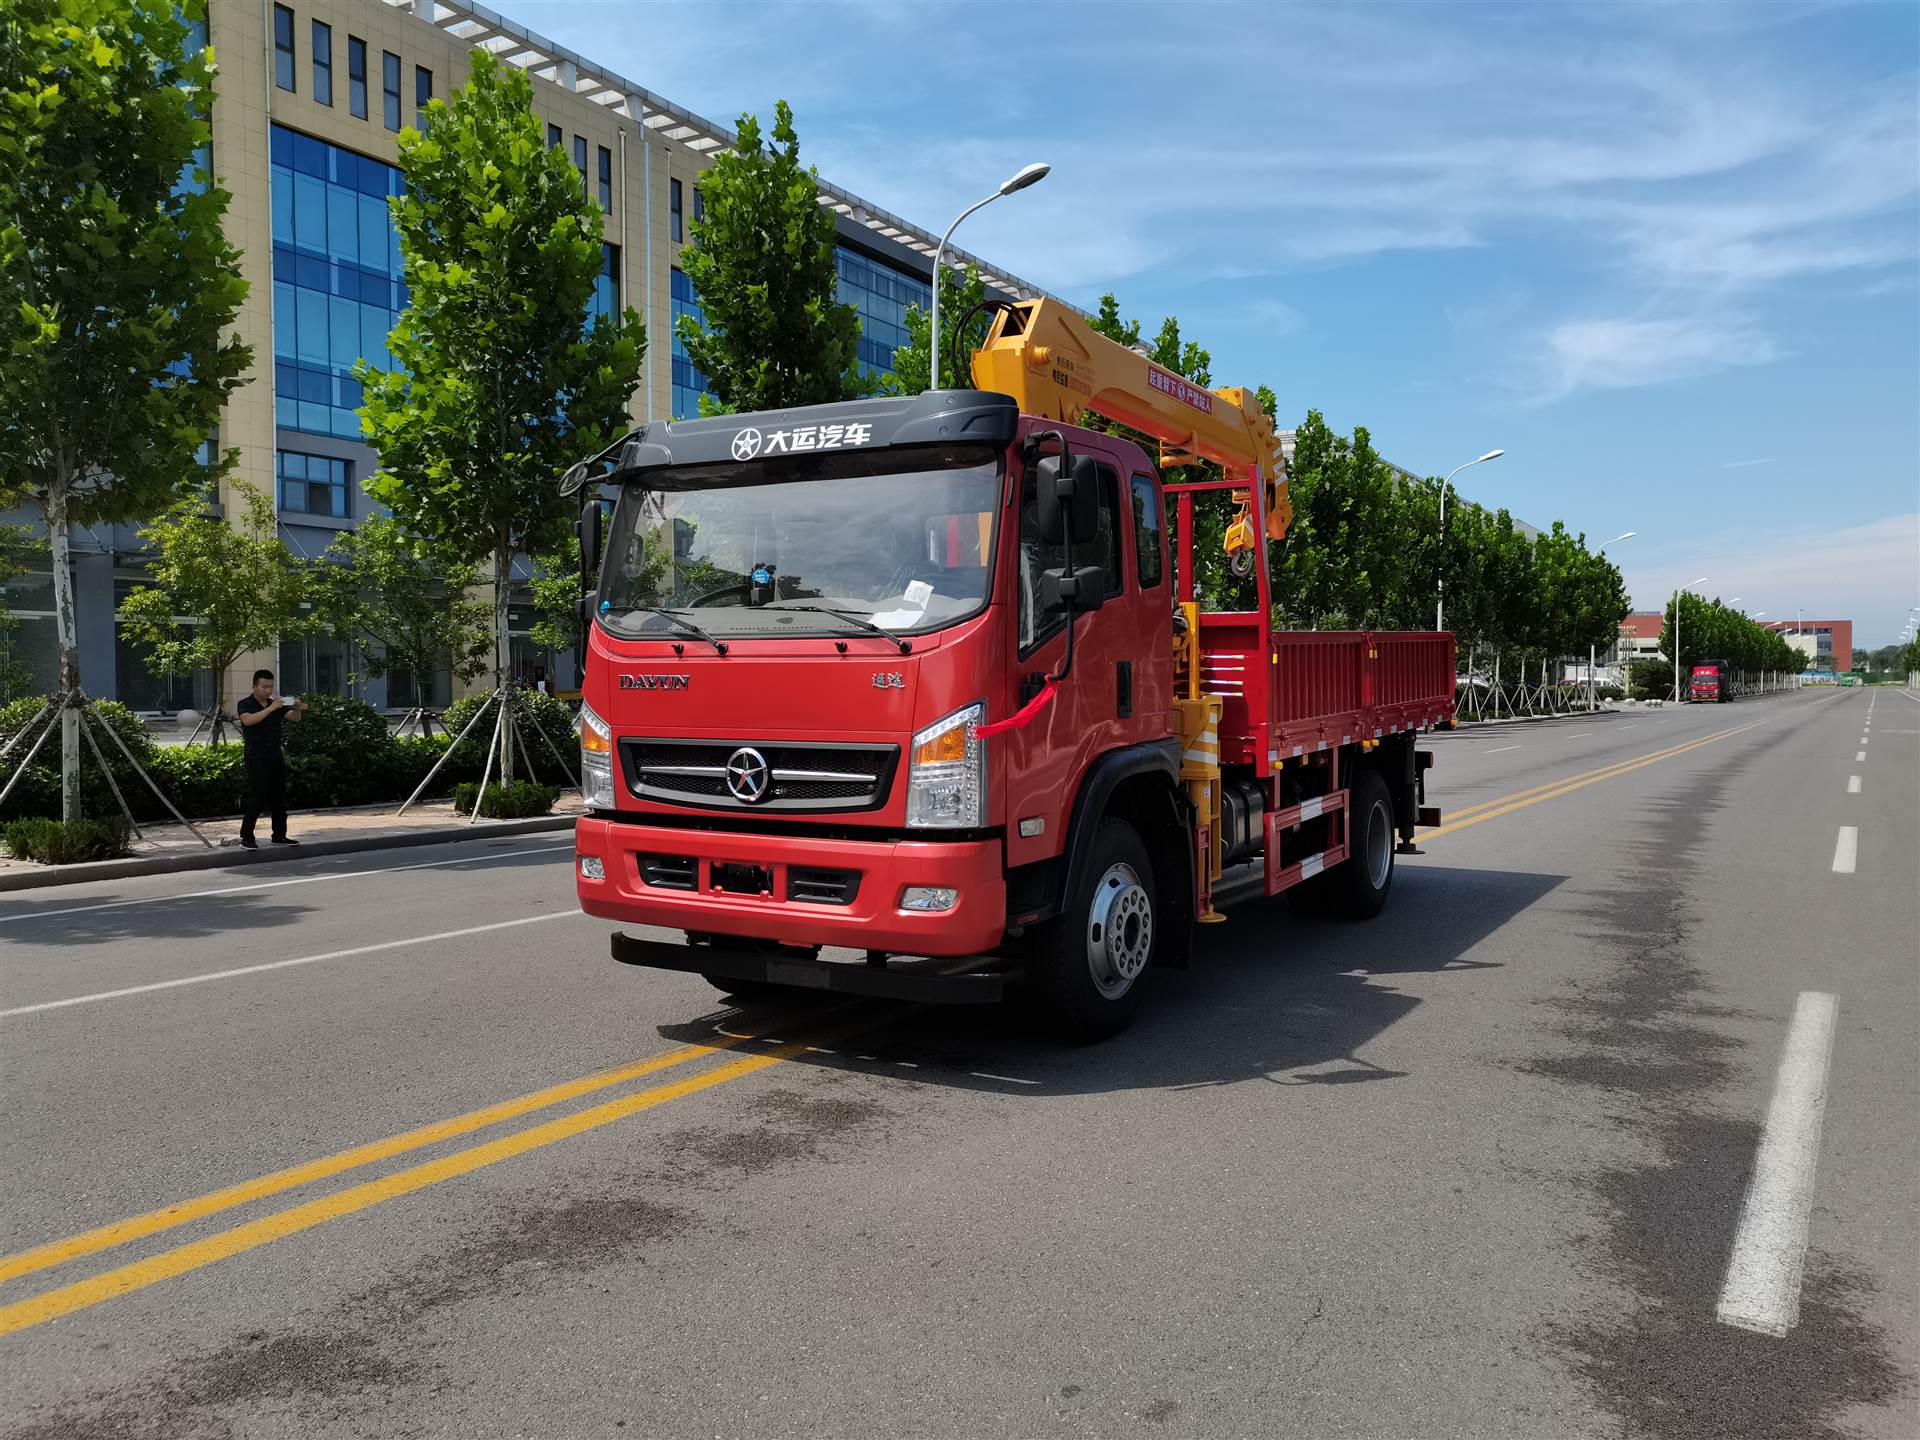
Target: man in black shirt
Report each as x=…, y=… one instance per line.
x=262, y=717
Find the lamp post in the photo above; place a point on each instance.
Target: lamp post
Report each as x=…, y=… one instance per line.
x=1676, y=633
x=1027, y=175
x=1440, y=604
x=1623, y=535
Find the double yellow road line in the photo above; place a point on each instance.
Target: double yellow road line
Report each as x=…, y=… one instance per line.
x=1567, y=784
x=23, y=1314
x=137, y=1275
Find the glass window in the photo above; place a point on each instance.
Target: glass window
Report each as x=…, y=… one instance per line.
x=606, y=178
x=580, y=160
x=337, y=285
x=313, y=484
x=283, y=47
x=422, y=90
x=555, y=137
x=882, y=295
x=699, y=203
x=689, y=384
x=1037, y=555
x=323, y=63
x=900, y=539
x=316, y=665
x=390, y=88
x=673, y=195
x=357, y=76
x=605, y=304
x=29, y=650
x=1146, y=530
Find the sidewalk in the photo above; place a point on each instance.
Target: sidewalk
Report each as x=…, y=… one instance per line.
x=168, y=848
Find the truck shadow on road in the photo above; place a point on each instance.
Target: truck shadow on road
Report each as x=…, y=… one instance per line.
x=1271, y=996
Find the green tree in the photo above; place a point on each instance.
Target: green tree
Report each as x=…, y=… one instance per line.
x=218, y=590
x=505, y=379
x=763, y=262
x=1108, y=323
x=406, y=607
x=912, y=362
x=121, y=284
x=1341, y=563
x=556, y=593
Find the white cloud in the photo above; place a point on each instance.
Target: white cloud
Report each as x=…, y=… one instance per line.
x=1619, y=354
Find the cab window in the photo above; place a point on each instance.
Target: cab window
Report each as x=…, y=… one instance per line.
x=1147, y=530
x=1036, y=555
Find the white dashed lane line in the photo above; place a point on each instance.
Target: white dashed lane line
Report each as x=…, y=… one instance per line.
x=1762, y=1287
x=1853, y=785
x=1846, y=850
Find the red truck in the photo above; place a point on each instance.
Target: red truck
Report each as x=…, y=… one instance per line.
x=924, y=681
x=1709, y=682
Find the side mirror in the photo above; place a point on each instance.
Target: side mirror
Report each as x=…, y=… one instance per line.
x=1066, y=494
x=1071, y=591
x=575, y=476
x=589, y=532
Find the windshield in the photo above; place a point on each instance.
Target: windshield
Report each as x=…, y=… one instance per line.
x=901, y=540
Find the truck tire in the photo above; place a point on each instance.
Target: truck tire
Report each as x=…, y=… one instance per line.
x=1359, y=885
x=1088, y=968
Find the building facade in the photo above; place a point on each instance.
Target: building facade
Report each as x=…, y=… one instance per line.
x=1827, y=644
x=310, y=99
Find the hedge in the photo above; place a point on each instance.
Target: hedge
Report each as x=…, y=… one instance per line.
x=65, y=842
x=338, y=754
x=516, y=801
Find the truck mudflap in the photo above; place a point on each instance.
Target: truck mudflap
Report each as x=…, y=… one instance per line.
x=903, y=979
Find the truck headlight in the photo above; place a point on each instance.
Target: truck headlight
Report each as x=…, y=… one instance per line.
x=596, y=760
x=947, y=774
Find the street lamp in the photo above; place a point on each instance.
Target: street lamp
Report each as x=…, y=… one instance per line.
x=1676, y=633
x=1623, y=535
x=1440, y=605
x=1027, y=175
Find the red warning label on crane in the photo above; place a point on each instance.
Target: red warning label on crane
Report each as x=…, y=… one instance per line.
x=1182, y=390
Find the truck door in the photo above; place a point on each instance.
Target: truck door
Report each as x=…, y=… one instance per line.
x=1117, y=690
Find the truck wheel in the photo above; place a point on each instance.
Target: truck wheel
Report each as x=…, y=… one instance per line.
x=1088, y=967
x=1361, y=882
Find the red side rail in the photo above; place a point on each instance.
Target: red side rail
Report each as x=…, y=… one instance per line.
x=1412, y=674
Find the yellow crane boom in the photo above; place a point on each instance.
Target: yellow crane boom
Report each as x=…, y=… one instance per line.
x=1053, y=363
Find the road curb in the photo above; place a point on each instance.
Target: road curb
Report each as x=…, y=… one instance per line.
x=234, y=855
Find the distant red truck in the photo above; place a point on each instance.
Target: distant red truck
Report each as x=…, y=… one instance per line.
x=1711, y=682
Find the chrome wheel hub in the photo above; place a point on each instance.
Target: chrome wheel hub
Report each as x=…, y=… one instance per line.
x=1119, y=931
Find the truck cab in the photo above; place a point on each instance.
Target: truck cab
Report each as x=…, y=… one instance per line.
x=803, y=622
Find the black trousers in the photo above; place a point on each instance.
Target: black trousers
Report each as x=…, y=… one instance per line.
x=266, y=794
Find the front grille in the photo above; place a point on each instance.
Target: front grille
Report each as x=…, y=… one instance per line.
x=668, y=872
x=803, y=776
x=823, y=887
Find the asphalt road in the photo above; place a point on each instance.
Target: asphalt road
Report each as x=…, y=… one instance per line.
x=432, y=1165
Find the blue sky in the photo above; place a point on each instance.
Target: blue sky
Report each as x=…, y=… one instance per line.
x=1667, y=257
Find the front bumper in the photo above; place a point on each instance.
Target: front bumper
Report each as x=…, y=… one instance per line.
x=698, y=863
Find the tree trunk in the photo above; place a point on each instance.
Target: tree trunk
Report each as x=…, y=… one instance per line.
x=503, y=644
x=68, y=646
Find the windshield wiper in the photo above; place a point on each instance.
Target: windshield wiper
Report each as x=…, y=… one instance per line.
x=852, y=617
x=685, y=626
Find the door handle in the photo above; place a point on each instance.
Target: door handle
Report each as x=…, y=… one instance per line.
x=1123, y=689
